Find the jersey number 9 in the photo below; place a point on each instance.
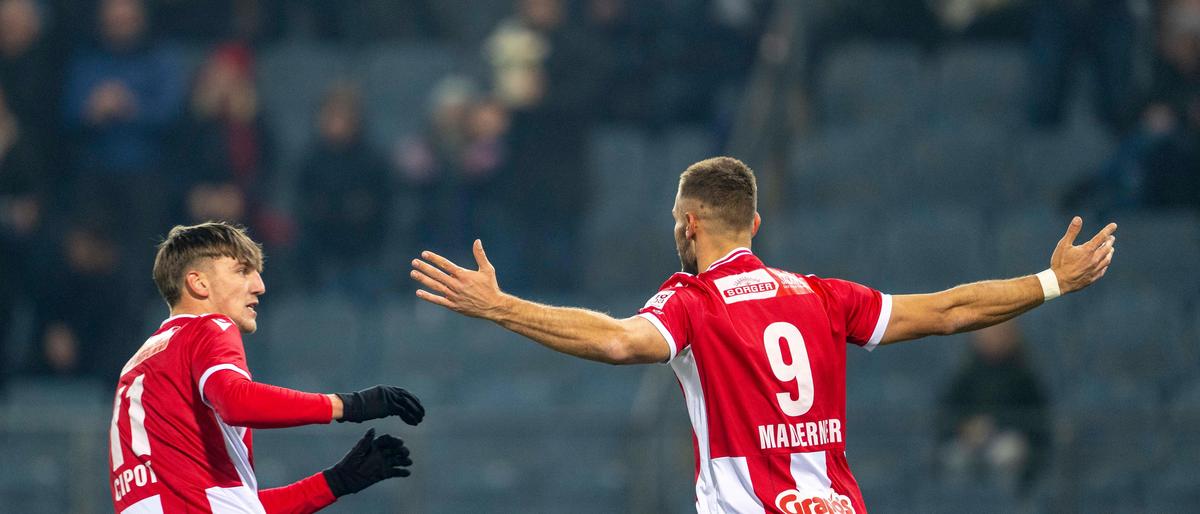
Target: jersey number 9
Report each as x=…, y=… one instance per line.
x=780, y=335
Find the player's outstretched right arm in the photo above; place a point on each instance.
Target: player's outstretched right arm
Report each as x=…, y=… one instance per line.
x=243, y=403
x=578, y=332
x=982, y=304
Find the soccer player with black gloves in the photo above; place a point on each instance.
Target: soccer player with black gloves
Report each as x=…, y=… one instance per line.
x=180, y=438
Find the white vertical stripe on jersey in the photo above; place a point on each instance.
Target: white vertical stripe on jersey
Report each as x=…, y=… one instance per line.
x=209, y=372
x=688, y=373
x=662, y=329
x=235, y=447
x=151, y=505
x=139, y=442
x=114, y=433
x=811, y=472
x=239, y=455
x=233, y=500
x=735, y=491
x=885, y=315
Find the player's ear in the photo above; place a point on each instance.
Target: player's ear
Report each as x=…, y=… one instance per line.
x=196, y=283
x=693, y=223
x=757, y=223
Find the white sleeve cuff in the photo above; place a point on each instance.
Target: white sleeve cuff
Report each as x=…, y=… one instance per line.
x=885, y=315
x=209, y=372
x=662, y=329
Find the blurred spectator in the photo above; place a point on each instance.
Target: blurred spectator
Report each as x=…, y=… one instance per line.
x=27, y=71
x=223, y=149
x=550, y=77
x=1158, y=164
x=453, y=166
x=23, y=177
x=345, y=195
x=23, y=187
x=84, y=328
x=994, y=416
x=120, y=97
x=1063, y=32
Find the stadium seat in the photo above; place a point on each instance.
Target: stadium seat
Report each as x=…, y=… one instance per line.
x=40, y=463
x=1049, y=162
x=1139, y=333
x=947, y=498
x=633, y=208
x=1173, y=499
x=955, y=162
x=397, y=82
x=930, y=249
x=312, y=344
x=981, y=81
x=849, y=167
x=827, y=242
x=1157, y=250
x=871, y=83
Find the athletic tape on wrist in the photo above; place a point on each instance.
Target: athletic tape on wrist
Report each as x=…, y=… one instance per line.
x=1049, y=284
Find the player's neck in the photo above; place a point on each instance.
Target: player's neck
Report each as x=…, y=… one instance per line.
x=191, y=308
x=707, y=254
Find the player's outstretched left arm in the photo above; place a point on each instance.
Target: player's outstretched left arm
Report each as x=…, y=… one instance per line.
x=982, y=304
x=579, y=332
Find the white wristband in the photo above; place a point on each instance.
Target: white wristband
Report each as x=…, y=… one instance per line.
x=1049, y=284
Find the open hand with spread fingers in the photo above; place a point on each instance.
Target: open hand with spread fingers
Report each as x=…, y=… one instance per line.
x=1079, y=266
x=474, y=293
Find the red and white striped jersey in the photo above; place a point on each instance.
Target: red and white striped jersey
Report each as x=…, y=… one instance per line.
x=761, y=356
x=170, y=451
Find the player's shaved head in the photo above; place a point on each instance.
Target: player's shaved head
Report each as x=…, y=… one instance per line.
x=192, y=246
x=725, y=191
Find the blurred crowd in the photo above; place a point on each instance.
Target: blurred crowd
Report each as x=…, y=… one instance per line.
x=108, y=136
x=111, y=132
x=1139, y=58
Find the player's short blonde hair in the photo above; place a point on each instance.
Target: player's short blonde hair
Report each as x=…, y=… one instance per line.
x=724, y=185
x=184, y=247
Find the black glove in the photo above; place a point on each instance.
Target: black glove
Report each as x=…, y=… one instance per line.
x=380, y=402
x=371, y=460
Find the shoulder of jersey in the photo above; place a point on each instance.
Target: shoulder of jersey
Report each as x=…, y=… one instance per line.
x=215, y=322
x=677, y=281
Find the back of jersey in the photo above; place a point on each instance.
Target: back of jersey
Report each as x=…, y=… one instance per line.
x=168, y=452
x=760, y=354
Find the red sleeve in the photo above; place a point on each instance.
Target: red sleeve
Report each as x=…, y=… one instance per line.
x=668, y=312
x=862, y=312
x=243, y=403
x=303, y=497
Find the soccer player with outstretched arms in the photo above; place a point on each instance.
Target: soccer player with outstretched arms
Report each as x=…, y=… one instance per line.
x=180, y=440
x=760, y=352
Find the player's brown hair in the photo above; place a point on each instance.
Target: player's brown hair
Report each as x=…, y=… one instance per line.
x=726, y=186
x=184, y=246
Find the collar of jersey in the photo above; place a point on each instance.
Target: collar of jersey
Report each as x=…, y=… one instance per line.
x=729, y=257
x=177, y=316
